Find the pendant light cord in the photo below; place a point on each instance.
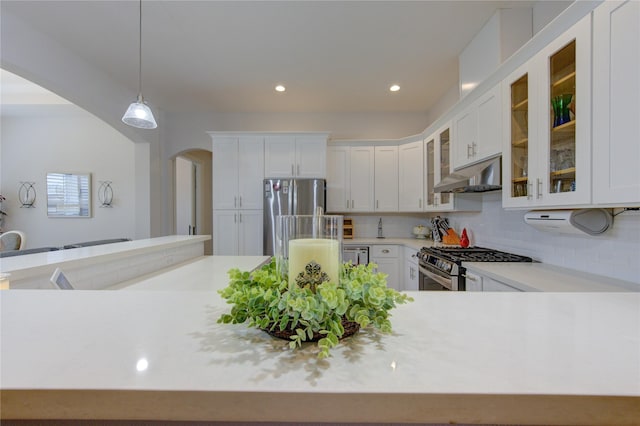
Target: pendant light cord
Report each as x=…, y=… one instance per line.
x=140, y=52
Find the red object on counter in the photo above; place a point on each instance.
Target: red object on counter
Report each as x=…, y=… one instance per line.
x=464, y=239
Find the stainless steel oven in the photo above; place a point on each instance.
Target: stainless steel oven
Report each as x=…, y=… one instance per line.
x=431, y=279
x=441, y=267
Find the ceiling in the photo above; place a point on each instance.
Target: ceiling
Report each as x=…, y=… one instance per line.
x=227, y=56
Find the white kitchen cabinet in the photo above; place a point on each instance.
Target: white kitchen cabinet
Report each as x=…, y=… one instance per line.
x=547, y=156
x=350, y=179
x=411, y=179
x=386, y=178
x=478, y=282
x=361, y=178
x=616, y=103
x=437, y=156
x=237, y=232
x=387, y=258
x=411, y=272
x=477, y=130
x=300, y=156
x=489, y=284
x=238, y=171
x=473, y=281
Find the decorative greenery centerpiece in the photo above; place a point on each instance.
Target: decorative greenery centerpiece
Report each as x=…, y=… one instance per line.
x=313, y=308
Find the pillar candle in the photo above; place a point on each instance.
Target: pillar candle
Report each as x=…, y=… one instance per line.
x=4, y=281
x=324, y=252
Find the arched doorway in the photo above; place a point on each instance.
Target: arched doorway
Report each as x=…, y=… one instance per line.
x=193, y=206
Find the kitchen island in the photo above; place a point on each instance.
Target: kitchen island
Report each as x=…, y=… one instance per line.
x=136, y=354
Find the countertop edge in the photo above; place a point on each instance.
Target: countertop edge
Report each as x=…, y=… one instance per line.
x=319, y=407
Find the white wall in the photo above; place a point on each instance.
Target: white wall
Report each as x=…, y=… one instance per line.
x=68, y=140
x=614, y=253
x=545, y=11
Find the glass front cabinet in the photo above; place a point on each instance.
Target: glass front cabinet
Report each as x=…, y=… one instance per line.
x=438, y=166
x=547, y=107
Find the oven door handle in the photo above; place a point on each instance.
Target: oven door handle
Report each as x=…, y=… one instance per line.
x=445, y=282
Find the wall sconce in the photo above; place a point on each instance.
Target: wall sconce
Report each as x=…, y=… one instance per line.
x=105, y=193
x=27, y=194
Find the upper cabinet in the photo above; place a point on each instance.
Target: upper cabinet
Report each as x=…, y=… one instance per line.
x=410, y=173
x=238, y=171
x=437, y=161
x=301, y=156
x=616, y=103
x=478, y=130
x=437, y=151
x=547, y=125
x=350, y=179
x=386, y=178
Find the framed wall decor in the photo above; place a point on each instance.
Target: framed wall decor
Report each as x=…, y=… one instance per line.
x=68, y=195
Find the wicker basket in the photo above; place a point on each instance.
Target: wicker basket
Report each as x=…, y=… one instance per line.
x=350, y=328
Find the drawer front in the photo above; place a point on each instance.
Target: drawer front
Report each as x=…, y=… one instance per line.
x=384, y=251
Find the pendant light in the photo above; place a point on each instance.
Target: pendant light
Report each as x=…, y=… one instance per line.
x=139, y=114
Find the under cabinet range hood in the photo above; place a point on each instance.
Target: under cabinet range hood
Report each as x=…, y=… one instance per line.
x=481, y=177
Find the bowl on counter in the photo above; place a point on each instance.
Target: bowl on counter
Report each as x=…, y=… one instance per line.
x=421, y=232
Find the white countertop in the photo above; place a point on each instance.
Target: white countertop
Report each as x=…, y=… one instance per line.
x=545, y=358
x=95, y=253
x=415, y=243
x=544, y=277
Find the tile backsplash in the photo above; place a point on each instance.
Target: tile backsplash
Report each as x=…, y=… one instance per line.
x=615, y=253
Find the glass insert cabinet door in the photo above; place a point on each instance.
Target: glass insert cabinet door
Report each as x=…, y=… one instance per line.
x=546, y=153
x=562, y=120
x=445, y=162
x=431, y=162
x=520, y=138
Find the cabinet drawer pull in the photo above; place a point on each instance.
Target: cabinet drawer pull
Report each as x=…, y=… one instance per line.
x=241, y=201
x=298, y=169
x=385, y=251
x=235, y=218
x=539, y=189
x=235, y=201
x=377, y=204
x=292, y=172
x=469, y=152
x=529, y=190
x=419, y=203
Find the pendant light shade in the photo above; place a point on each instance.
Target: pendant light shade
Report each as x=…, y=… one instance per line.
x=139, y=114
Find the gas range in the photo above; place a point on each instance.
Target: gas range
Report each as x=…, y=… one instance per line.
x=443, y=265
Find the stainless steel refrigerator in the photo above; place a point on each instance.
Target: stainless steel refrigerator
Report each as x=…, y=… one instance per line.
x=289, y=197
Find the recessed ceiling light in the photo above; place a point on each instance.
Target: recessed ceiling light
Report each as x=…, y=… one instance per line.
x=280, y=88
x=394, y=88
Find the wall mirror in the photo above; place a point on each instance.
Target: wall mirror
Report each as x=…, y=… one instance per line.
x=69, y=195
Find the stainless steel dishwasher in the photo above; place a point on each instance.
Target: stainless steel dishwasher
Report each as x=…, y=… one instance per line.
x=358, y=255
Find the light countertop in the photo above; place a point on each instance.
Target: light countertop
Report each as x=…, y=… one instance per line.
x=415, y=243
x=97, y=253
x=540, y=358
x=545, y=277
